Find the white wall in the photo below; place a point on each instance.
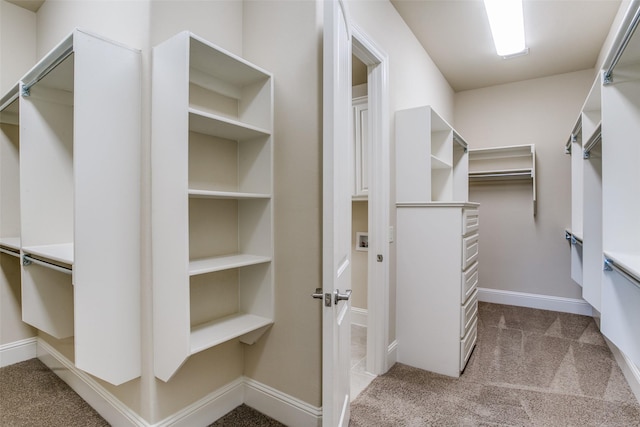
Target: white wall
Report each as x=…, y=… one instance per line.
x=520, y=252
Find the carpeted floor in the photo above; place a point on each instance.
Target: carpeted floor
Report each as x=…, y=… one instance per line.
x=31, y=395
x=530, y=368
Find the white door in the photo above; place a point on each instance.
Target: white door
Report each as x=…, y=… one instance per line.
x=336, y=265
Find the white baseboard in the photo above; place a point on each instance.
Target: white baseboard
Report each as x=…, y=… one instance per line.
x=209, y=408
x=392, y=354
x=542, y=302
x=17, y=351
x=359, y=316
x=280, y=406
x=105, y=403
x=630, y=371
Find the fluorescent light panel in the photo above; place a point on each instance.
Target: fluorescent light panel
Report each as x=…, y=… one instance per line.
x=507, y=26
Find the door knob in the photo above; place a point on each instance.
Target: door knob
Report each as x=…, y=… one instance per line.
x=319, y=295
x=341, y=297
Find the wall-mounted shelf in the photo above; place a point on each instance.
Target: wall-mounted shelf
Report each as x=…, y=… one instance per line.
x=508, y=163
x=80, y=202
x=212, y=220
x=431, y=158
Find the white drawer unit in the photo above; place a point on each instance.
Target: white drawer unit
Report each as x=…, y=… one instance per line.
x=437, y=297
x=469, y=282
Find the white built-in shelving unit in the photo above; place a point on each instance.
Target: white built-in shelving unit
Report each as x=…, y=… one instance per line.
x=432, y=161
x=10, y=173
x=586, y=198
x=504, y=164
x=80, y=202
x=212, y=202
x=437, y=245
x=620, y=189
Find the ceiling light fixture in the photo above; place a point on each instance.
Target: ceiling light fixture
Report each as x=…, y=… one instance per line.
x=507, y=26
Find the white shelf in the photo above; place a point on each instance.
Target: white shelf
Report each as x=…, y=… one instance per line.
x=505, y=174
x=437, y=163
x=210, y=265
x=507, y=163
x=80, y=201
x=61, y=253
x=10, y=242
x=207, y=194
x=223, y=127
x=222, y=330
x=212, y=200
x=630, y=262
x=431, y=158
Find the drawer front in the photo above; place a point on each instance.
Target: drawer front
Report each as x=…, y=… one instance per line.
x=470, y=250
x=466, y=345
x=470, y=221
x=468, y=314
x=469, y=282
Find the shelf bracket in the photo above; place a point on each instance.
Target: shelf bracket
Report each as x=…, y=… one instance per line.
x=253, y=336
x=585, y=154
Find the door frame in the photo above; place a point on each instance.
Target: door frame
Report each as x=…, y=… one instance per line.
x=378, y=299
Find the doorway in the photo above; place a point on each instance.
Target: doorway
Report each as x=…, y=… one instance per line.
x=370, y=213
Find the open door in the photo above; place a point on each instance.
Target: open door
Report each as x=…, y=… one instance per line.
x=336, y=264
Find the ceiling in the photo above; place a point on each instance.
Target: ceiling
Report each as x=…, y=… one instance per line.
x=32, y=5
x=562, y=36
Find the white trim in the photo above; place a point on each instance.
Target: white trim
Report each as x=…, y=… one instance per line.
x=208, y=409
x=543, y=302
x=17, y=351
x=392, y=353
x=105, y=403
x=630, y=371
x=359, y=316
x=377, y=62
x=267, y=400
x=280, y=406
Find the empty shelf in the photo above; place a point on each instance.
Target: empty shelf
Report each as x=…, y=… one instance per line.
x=222, y=127
x=227, y=328
x=61, y=253
x=10, y=242
x=209, y=265
x=207, y=194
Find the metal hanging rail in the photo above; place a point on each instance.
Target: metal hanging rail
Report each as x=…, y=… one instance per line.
x=621, y=43
x=53, y=59
x=8, y=99
x=593, y=141
x=28, y=259
x=574, y=136
x=9, y=252
x=610, y=265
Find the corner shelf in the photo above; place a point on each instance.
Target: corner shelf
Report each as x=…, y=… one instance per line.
x=508, y=163
x=212, y=222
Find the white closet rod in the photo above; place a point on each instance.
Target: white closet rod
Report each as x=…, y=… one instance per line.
x=9, y=252
x=610, y=265
x=574, y=137
x=593, y=141
x=8, y=99
x=27, y=259
x=621, y=42
x=575, y=240
x=457, y=138
x=46, y=70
